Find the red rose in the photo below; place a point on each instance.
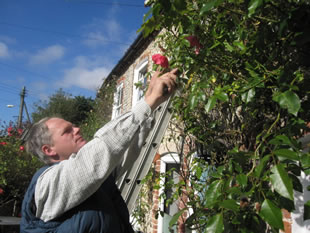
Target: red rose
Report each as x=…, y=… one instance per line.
x=21, y=148
x=160, y=60
x=3, y=143
x=10, y=129
x=20, y=131
x=1, y=191
x=194, y=42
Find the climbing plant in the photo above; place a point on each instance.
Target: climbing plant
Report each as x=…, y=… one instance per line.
x=243, y=106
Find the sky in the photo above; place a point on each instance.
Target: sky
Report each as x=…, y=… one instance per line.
x=46, y=45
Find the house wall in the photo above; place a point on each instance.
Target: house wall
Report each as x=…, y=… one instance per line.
x=128, y=76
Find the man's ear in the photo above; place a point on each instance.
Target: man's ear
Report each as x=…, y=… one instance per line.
x=46, y=149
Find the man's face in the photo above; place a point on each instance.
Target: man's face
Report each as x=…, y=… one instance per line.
x=65, y=136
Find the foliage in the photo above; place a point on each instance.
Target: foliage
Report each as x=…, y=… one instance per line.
x=244, y=76
x=101, y=112
x=16, y=168
x=62, y=104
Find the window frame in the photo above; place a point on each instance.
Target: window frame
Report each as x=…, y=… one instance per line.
x=165, y=159
x=136, y=90
x=118, y=101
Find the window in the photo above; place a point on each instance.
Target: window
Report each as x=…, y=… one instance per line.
x=117, y=106
x=139, y=82
x=168, y=162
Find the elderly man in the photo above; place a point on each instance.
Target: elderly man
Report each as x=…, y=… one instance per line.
x=76, y=191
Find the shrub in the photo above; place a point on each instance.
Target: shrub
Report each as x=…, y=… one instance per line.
x=16, y=169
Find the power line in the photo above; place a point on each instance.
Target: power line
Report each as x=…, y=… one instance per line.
x=111, y=3
x=8, y=101
x=8, y=91
x=58, y=33
x=8, y=86
x=33, y=93
x=23, y=70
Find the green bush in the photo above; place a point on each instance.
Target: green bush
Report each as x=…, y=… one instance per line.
x=16, y=170
x=244, y=103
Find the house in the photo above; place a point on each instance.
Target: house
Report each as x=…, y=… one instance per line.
x=130, y=78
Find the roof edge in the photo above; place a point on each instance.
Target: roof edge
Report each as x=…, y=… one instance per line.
x=135, y=49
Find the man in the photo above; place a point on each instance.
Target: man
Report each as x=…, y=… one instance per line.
x=76, y=191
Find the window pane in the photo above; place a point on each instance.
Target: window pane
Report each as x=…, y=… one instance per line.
x=172, y=208
x=142, y=78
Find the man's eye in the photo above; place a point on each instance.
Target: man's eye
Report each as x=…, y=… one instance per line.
x=68, y=130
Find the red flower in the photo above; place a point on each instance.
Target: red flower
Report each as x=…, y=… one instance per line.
x=20, y=131
x=194, y=42
x=21, y=148
x=1, y=191
x=160, y=60
x=10, y=129
x=3, y=143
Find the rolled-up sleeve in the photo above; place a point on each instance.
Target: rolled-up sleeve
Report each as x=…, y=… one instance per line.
x=70, y=182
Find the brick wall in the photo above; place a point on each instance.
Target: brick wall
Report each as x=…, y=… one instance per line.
x=287, y=221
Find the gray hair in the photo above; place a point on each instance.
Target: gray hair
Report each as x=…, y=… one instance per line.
x=38, y=136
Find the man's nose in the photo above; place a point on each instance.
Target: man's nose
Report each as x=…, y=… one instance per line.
x=76, y=130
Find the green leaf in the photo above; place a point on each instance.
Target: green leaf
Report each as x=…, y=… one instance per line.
x=281, y=181
x=147, y=15
x=228, y=46
x=261, y=166
x=271, y=214
x=240, y=46
x=288, y=100
x=180, y=4
x=215, y=45
x=211, y=103
x=242, y=180
x=175, y=217
x=193, y=101
x=280, y=140
x=254, y=4
x=305, y=160
x=209, y=5
x=215, y=224
x=307, y=211
x=230, y=204
x=213, y=192
x=286, y=153
x=222, y=96
x=248, y=96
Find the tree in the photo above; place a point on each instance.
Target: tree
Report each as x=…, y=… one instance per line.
x=62, y=104
x=244, y=104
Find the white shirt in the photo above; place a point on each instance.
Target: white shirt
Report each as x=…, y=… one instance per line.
x=70, y=182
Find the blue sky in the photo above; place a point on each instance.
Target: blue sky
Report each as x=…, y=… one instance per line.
x=70, y=44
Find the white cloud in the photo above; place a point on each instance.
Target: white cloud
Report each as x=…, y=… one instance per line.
x=48, y=55
x=7, y=39
x=95, y=39
x=4, y=51
x=85, y=74
x=39, y=90
x=100, y=32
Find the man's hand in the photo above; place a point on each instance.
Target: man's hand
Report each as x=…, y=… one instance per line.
x=161, y=88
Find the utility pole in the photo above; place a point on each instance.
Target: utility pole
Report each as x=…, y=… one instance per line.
x=21, y=107
x=28, y=117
